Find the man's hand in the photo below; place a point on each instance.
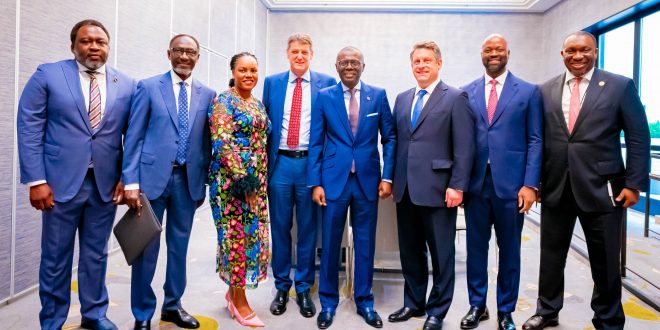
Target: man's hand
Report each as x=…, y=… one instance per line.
x=41, y=197
x=251, y=200
x=132, y=199
x=526, y=197
x=629, y=197
x=318, y=196
x=384, y=189
x=118, y=196
x=453, y=197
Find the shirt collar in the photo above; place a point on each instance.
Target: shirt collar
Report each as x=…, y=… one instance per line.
x=305, y=77
x=500, y=79
x=357, y=87
x=430, y=88
x=82, y=68
x=177, y=80
x=587, y=76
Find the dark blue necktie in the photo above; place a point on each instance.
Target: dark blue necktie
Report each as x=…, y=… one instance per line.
x=418, y=107
x=182, y=149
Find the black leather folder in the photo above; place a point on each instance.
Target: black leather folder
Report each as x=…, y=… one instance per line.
x=134, y=232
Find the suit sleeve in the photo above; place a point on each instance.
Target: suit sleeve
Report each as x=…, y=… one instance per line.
x=387, y=138
x=462, y=134
x=31, y=127
x=138, y=121
x=265, y=99
x=534, y=139
x=317, y=133
x=638, y=139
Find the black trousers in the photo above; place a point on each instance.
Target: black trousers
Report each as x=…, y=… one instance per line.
x=422, y=230
x=602, y=231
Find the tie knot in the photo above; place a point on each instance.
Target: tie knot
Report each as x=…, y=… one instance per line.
x=493, y=82
x=299, y=80
x=577, y=80
x=352, y=91
x=182, y=84
x=91, y=73
x=422, y=92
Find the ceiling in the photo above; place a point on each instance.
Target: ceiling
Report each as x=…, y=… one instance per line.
x=529, y=6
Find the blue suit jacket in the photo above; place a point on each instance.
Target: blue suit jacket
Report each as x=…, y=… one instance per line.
x=332, y=146
x=55, y=139
x=152, y=137
x=513, y=141
x=273, y=99
x=437, y=153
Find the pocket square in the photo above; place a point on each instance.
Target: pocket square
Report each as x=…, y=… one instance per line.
x=372, y=114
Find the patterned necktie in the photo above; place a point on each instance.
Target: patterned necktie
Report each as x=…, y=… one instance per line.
x=94, y=110
x=418, y=107
x=492, y=100
x=574, y=107
x=182, y=149
x=293, y=136
x=353, y=111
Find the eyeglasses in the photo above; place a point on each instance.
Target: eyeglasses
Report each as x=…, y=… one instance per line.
x=180, y=51
x=345, y=63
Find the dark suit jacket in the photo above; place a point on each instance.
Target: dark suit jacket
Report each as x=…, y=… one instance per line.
x=333, y=147
x=273, y=99
x=153, y=136
x=592, y=153
x=512, y=142
x=55, y=139
x=437, y=153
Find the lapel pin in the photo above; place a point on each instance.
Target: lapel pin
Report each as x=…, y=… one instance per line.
x=115, y=80
x=601, y=83
x=368, y=98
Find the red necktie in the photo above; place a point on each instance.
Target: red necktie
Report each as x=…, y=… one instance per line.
x=574, y=107
x=293, y=136
x=492, y=100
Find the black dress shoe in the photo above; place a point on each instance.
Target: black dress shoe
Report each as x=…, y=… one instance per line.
x=142, y=325
x=538, y=322
x=307, y=308
x=371, y=317
x=324, y=320
x=433, y=323
x=505, y=322
x=278, y=306
x=179, y=317
x=473, y=316
x=404, y=314
x=100, y=324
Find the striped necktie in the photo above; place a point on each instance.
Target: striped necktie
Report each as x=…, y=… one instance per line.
x=94, y=100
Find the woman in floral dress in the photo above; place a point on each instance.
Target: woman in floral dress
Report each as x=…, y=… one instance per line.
x=239, y=127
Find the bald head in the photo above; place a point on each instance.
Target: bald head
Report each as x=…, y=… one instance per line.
x=495, y=55
x=350, y=49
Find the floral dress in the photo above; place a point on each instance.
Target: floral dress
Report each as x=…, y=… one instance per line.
x=239, y=164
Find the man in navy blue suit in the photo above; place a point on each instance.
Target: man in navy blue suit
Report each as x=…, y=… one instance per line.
x=344, y=169
x=435, y=147
x=290, y=97
x=71, y=118
x=167, y=153
x=505, y=177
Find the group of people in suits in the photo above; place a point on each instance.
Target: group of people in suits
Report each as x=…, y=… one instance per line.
x=90, y=138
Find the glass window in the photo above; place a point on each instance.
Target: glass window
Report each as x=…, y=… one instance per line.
x=618, y=49
x=650, y=73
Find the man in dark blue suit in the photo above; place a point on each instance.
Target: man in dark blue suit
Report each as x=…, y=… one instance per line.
x=505, y=177
x=435, y=147
x=584, y=176
x=167, y=153
x=71, y=118
x=289, y=98
x=344, y=169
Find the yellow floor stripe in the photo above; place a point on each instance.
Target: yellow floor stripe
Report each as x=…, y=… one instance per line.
x=632, y=308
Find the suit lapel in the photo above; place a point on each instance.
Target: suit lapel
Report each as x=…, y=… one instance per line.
x=278, y=106
x=555, y=102
x=509, y=90
x=479, y=98
x=407, y=100
x=592, y=94
x=436, y=96
x=366, y=103
x=340, y=108
x=110, y=94
x=73, y=82
x=196, y=92
x=167, y=91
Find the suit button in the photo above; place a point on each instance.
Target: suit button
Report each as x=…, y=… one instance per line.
x=177, y=141
x=93, y=137
x=173, y=162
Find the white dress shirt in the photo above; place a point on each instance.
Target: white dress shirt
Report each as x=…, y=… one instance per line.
x=498, y=87
x=569, y=83
x=429, y=89
x=305, y=111
x=347, y=96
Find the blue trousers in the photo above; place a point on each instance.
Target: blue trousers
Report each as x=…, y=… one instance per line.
x=364, y=214
x=92, y=218
x=180, y=212
x=482, y=212
x=288, y=187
